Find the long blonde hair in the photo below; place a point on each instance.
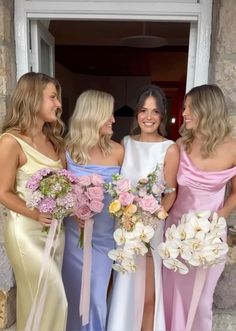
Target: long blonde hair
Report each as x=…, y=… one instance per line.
x=92, y=110
x=208, y=104
x=26, y=102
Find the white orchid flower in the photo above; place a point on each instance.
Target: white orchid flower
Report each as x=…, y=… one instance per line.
x=129, y=265
x=183, y=232
x=185, y=252
x=220, y=223
x=144, y=232
x=203, y=214
x=168, y=249
x=220, y=248
x=176, y=265
x=203, y=258
x=199, y=224
x=136, y=247
x=169, y=232
x=119, y=236
x=119, y=268
x=119, y=255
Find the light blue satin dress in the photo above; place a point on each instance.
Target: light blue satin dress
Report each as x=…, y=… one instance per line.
x=102, y=242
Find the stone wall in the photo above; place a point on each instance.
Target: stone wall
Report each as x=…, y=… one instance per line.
x=7, y=83
x=223, y=73
x=223, y=57
x=7, y=65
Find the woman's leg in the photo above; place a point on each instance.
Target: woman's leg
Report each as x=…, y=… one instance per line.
x=149, y=303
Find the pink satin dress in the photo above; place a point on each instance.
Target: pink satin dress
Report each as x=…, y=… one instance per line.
x=197, y=190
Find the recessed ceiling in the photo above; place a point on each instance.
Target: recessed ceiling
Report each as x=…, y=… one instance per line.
x=95, y=47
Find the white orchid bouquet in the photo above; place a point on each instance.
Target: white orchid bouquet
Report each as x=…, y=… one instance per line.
x=138, y=212
x=195, y=242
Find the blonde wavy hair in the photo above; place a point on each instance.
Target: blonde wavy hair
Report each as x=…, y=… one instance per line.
x=25, y=104
x=92, y=110
x=208, y=105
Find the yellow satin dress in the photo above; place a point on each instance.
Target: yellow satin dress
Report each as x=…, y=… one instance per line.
x=25, y=243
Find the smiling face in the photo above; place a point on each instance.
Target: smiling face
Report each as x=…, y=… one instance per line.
x=49, y=105
x=190, y=119
x=106, y=128
x=148, y=116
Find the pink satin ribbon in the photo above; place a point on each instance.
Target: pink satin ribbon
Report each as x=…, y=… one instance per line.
x=34, y=318
x=139, y=291
x=86, y=272
x=199, y=282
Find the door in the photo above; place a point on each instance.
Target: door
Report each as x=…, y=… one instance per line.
x=197, y=12
x=41, y=57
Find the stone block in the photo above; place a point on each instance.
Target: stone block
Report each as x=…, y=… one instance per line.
x=5, y=23
x=7, y=308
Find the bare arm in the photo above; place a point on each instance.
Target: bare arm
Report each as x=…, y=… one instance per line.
x=170, y=174
x=230, y=202
x=10, y=161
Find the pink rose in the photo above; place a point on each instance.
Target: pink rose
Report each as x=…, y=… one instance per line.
x=123, y=185
x=95, y=193
x=84, y=212
x=84, y=180
x=96, y=180
x=126, y=198
x=77, y=190
x=149, y=203
x=81, y=200
x=96, y=206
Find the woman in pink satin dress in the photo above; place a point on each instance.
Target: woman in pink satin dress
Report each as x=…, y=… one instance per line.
x=207, y=163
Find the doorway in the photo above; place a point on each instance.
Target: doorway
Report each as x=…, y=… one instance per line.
x=96, y=54
x=195, y=14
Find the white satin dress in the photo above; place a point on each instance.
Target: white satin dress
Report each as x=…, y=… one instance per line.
x=140, y=159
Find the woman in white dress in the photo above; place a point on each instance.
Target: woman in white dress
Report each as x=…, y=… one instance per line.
x=143, y=152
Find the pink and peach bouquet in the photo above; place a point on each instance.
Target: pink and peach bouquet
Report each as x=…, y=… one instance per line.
x=138, y=212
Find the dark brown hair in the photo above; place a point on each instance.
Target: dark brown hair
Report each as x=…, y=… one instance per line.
x=161, y=103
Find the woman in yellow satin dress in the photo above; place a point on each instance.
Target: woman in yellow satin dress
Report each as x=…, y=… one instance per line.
x=32, y=140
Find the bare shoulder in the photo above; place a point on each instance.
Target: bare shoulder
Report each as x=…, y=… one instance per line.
x=173, y=149
x=179, y=142
x=230, y=146
x=118, y=150
x=9, y=143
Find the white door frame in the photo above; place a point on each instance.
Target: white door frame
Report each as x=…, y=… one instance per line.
x=197, y=12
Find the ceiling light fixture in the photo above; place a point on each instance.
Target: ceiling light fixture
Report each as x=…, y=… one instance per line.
x=143, y=40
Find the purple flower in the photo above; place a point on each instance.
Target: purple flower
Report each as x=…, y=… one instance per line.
x=68, y=174
x=47, y=205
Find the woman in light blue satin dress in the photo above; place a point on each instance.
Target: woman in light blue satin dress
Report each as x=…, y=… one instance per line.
x=90, y=150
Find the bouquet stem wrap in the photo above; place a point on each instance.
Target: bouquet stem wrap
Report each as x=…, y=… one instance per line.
x=33, y=321
x=197, y=291
x=86, y=272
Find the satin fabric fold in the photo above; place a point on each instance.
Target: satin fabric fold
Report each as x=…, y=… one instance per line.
x=86, y=272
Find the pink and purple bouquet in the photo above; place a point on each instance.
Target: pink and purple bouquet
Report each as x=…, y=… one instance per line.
x=53, y=192
x=89, y=198
x=138, y=212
